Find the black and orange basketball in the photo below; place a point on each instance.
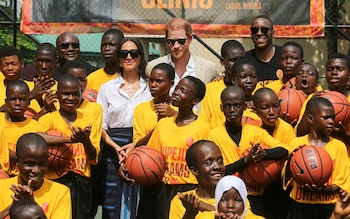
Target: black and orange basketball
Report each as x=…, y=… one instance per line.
x=290, y=84
x=261, y=173
x=59, y=155
x=90, y=95
x=311, y=165
x=146, y=165
x=341, y=105
x=291, y=102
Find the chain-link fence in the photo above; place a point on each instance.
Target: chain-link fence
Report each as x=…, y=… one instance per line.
x=316, y=50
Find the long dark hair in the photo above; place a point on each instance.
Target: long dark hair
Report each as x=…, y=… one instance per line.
x=143, y=63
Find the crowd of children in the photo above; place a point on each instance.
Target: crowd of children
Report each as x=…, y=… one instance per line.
x=203, y=142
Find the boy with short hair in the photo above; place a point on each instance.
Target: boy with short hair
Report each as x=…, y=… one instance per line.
x=205, y=161
x=306, y=79
x=317, y=202
x=11, y=65
x=231, y=51
x=267, y=107
x=13, y=122
x=292, y=56
x=31, y=158
x=188, y=128
x=26, y=208
x=234, y=137
x=84, y=129
x=147, y=114
x=109, y=43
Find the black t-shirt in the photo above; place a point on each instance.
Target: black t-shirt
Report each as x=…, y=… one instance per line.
x=266, y=71
x=89, y=69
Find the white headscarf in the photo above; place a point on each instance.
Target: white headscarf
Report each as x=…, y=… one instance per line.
x=226, y=183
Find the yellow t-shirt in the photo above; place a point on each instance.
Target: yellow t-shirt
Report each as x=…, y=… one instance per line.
x=13, y=131
x=79, y=164
x=340, y=174
x=98, y=77
x=145, y=119
x=232, y=152
x=173, y=142
x=54, y=198
x=4, y=151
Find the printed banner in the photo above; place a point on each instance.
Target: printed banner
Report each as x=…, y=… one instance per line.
x=209, y=18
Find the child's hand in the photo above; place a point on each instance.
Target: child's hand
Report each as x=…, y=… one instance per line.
x=41, y=85
x=124, y=151
x=164, y=110
x=123, y=173
x=22, y=191
x=255, y=154
x=342, y=206
x=81, y=135
x=49, y=100
x=190, y=202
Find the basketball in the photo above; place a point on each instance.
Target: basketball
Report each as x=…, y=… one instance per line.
x=290, y=84
x=146, y=165
x=261, y=173
x=29, y=113
x=341, y=105
x=59, y=155
x=311, y=165
x=90, y=95
x=3, y=175
x=291, y=102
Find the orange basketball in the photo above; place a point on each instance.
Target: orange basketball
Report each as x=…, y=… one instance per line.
x=341, y=105
x=59, y=155
x=29, y=113
x=90, y=95
x=291, y=102
x=3, y=175
x=290, y=84
x=261, y=173
x=146, y=165
x=311, y=165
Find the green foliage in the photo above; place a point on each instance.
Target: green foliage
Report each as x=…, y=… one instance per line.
x=24, y=44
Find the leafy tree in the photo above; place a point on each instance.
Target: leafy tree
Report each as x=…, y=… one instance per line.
x=24, y=44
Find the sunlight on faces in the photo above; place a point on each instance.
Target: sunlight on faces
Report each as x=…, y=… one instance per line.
x=260, y=39
x=17, y=100
x=70, y=53
x=246, y=78
x=337, y=73
x=69, y=95
x=290, y=60
x=177, y=50
x=11, y=67
x=45, y=63
x=129, y=63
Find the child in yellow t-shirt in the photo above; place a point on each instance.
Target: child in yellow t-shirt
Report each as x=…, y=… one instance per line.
x=308, y=200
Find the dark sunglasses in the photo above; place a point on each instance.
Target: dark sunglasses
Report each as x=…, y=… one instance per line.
x=134, y=53
x=263, y=30
x=75, y=45
x=171, y=42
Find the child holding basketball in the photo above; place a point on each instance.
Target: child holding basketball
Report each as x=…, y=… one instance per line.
x=310, y=201
x=85, y=131
x=267, y=106
x=188, y=128
x=292, y=56
x=30, y=184
x=234, y=138
x=147, y=114
x=337, y=76
x=13, y=122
